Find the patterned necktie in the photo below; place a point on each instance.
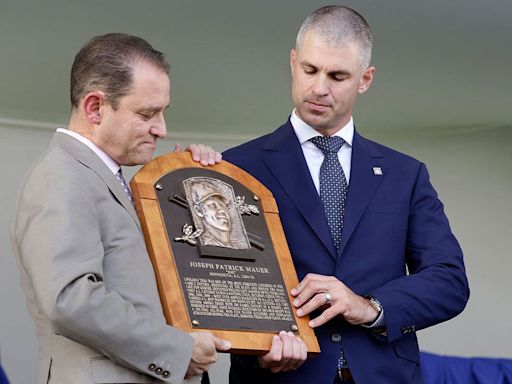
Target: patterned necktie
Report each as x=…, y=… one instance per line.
x=333, y=185
x=333, y=193
x=125, y=186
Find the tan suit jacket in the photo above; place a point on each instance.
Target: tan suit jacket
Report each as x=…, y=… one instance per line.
x=87, y=276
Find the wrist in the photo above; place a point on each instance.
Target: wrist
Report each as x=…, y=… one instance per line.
x=374, y=310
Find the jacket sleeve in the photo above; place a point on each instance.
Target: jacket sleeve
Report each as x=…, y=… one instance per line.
x=435, y=288
x=90, y=272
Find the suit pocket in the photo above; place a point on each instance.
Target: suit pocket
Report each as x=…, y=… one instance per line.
x=407, y=348
x=104, y=371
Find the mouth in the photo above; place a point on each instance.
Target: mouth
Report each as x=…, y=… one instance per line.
x=151, y=144
x=316, y=106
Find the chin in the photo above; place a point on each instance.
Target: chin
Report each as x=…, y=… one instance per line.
x=145, y=158
x=314, y=119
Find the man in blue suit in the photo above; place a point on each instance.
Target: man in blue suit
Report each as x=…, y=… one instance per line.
x=368, y=235
x=3, y=377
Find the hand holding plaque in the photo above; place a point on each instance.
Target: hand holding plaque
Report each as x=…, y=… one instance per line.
x=219, y=252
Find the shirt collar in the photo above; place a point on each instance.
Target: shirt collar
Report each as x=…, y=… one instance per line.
x=109, y=161
x=305, y=132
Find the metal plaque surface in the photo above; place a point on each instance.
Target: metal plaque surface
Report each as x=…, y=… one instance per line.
x=228, y=270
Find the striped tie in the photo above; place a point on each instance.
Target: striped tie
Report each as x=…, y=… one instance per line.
x=125, y=186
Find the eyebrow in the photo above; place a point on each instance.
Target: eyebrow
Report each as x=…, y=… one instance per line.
x=153, y=109
x=330, y=73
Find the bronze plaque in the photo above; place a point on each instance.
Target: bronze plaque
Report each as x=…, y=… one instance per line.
x=219, y=252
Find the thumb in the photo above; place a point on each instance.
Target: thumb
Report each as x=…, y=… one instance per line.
x=221, y=344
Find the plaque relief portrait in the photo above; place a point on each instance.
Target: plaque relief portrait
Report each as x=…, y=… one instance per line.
x=215, y=234
x=215, y=214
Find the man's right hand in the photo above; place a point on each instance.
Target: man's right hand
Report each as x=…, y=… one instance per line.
x=204, y=353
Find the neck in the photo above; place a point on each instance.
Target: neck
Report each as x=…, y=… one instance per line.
x=79, y=125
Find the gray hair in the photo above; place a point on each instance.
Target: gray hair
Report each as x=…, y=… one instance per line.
x=339, y=25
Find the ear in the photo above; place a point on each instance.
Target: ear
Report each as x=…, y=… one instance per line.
x=198, y=210
x=366, y=79
x=293, y=58
x=92, y=104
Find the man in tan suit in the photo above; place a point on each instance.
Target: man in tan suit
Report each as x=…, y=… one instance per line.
x=84, y=267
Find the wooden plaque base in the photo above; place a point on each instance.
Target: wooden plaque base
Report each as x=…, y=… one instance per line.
x=160, y=242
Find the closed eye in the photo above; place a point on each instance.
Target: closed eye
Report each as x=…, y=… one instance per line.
x=309, y=69
x=147, y=115
x=339, y=76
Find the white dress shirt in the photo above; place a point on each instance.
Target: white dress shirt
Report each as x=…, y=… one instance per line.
x=109, y=161
x=314, y=156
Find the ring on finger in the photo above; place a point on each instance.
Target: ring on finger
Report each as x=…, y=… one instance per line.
x=328, y=298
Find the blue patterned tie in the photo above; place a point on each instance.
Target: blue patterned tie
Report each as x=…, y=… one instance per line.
x=333, y=193
x=126, y=188
x=333, y=185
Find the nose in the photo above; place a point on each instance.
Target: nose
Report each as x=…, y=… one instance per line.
x=159, y=128
x=320, y=86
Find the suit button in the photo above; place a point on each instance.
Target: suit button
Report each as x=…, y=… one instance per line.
x=335, y=337
x=158, y=371
x=152, y=367
x=409, y=329
x=165, y=374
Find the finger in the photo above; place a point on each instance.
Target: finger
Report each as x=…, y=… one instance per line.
x=203, y=155
x=318, y=301
x=210, y=154
x=177, y=148
x=218, y=157
x=324, y=317
x=221, y=344
x=298, y=352
x=287, y=354
x=195, y=370
x=295, y=356
x=204, y=348
x=311, y=290
x=274, y=355
x=309, y=278
x=195, y=151
x=302, y=353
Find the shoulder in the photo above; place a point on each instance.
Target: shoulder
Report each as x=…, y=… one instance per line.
x=389, y=155
x=57, y=177
x=55, y=167
x=255, y=148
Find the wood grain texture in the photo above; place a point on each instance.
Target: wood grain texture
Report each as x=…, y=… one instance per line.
x=160, y=251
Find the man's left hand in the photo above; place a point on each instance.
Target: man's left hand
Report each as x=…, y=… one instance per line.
x=203, y=154
x=334, y=298
x=287, y=352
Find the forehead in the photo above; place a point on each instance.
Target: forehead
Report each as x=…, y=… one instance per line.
x=149, y=83
x=320, y=52
x=214, y=199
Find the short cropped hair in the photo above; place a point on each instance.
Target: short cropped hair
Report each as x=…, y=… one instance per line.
x=339, y=25
x=106, y=63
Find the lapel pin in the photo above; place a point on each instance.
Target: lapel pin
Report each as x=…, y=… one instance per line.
x=377, y=171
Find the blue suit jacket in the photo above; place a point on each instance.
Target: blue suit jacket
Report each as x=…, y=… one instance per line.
x=397, y=247
x=3, y=377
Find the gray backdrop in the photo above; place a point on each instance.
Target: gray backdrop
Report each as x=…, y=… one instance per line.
x=441, y=94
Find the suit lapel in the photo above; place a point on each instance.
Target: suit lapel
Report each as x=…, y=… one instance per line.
x=285, y=160
x=89, y=159
x=363, y=182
